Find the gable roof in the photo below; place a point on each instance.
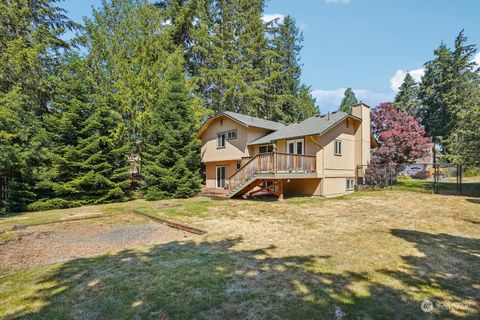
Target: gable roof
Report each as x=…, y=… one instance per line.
x=247, y=121
x=309, y=126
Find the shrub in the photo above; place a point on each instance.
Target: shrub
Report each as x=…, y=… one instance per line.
x=155, y=194
x=380, y=175
x=404, y=177
x=471, y=172
x=421, y=175
x=49, y=204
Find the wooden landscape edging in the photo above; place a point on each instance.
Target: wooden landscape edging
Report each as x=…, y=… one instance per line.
x=171, y=223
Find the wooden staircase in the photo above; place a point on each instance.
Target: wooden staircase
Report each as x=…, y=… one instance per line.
x=273, y=167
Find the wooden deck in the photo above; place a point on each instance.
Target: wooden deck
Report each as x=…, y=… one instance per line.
x=273, y=167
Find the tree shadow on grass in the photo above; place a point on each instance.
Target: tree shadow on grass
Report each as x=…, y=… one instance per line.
x=473, y=200
x=446, y=272
x=214, y=280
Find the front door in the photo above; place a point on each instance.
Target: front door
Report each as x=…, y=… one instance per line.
x=294, y=163
x=221, y=173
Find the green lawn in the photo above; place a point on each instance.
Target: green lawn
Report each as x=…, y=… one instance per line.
x=371, y=255
x=470, y=186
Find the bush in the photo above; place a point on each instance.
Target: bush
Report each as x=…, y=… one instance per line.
x=471, y=172
x=155, y=194
x=404, y=177
x=380, y=175
x=421, y=175
x=49, y=204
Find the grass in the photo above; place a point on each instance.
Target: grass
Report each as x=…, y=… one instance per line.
x=370, y=255
x=470, y=186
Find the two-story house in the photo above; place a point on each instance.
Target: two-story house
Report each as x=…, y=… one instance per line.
x=244, y=155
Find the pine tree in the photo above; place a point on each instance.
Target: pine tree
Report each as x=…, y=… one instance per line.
x=305, y=106
x=447, y=89
x=170, y=155
x=406, y=99
x=349, y=99
x=30, y=48
x=285, y=88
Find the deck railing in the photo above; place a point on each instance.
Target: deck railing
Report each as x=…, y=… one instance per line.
x=273, y=162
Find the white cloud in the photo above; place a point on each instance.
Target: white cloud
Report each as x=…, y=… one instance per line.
x=329, y=100
x=338, y=1
x=397, y=79
x=270, y=17
x=476, y=59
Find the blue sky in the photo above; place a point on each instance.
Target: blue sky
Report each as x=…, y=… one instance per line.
x=364, y=44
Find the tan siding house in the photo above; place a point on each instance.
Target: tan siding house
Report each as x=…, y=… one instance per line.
x=244, y=155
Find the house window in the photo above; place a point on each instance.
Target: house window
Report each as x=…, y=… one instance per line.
x=221, y=140
x=338, y=148
x=239, y=164
x=231, y=134
x=350, y=185
x=265, y=148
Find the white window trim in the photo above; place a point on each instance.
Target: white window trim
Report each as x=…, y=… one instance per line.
x=230, y=131
x=224, y=140
x=216, y=176
x=352, y=187
x=335, y=147
x=295, y=141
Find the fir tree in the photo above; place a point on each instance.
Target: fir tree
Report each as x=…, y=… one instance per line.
x=349, y=99
x=406, y=100
x=291, y=101
x=447, y=89
x=170, y=155
x=30, y=48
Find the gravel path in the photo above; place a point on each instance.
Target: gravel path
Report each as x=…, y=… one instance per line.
x=41, y=245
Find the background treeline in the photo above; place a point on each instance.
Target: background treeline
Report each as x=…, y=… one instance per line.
x=446, y=102
x=137, y=80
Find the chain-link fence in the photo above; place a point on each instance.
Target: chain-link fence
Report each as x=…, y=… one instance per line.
x=432, y=177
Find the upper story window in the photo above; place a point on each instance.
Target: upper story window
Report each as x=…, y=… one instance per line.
x=221, y=140
x=338, y=148
x=265, y=148
x=227, y=135
x=232, y=134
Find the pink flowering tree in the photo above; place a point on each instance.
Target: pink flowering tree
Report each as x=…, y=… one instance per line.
x=402, y=140
x=401, y=137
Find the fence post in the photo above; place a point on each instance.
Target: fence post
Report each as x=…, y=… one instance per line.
x=461, y=182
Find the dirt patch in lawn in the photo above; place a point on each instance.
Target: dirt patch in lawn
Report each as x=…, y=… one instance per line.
x=60, y=242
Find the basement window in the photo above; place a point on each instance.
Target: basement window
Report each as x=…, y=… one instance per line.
x=338, y=148
x=350, y=185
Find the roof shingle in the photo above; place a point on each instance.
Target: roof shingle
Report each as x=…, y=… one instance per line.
x=309, y=126
x=254, y=122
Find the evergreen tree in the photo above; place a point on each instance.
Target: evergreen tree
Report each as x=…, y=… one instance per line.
x=446, y=89
x=348, y=101
x=406, y=99
x=464, y=141
x=305, y=106
x=285, y=89
x=30, y=48
x=170, y=156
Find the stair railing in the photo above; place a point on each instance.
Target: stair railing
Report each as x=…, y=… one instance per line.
x=272, y=162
